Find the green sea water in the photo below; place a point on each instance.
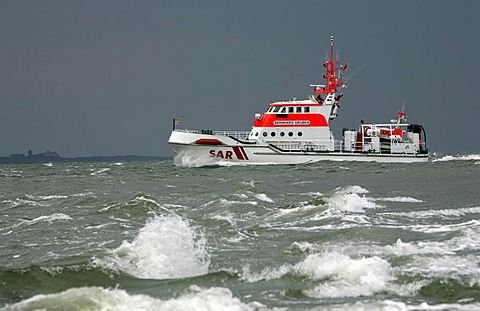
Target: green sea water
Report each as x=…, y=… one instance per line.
x=321, y=236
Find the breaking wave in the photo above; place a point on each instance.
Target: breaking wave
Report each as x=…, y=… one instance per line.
x=184, y=160
x=458, y=157
x=167, y=247
x=338, y=275
x=350, y=199
x=98, y=298
x=343, y=276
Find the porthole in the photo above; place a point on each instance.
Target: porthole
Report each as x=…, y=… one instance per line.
x=264, y=134
x=282, y=134
x=256, y=134
x=300, y=133
x=290, y=134
x=273, y=134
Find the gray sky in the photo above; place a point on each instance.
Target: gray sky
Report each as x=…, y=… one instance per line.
x=107, y=77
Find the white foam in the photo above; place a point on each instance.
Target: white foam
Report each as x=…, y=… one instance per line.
x=241, y=195
x=184, y=160
x=250, y=183
x=458, y=157
x=399, y=199
x=339, y=275
x=304, y=246
x=46, y=197
x=263, y=197
x=268, y=273
x=166, y=247
x=100, y=171
x=440, y=212
x=407, y=249
x=227, y=203
x=226, y=216
x=143, y=199
x=343, y=276
x=436, y=228
x=467, y=240
x=48, y=218
x=461, y=268
x=348, y=200
x=301, y=183
x=97, y=298
x=85, y=194
x=389, y=305
x=453, y=259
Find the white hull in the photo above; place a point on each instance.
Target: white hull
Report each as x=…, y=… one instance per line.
x=298, y=131
x=190, y=153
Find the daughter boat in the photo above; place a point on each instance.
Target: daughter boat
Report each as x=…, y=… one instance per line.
x=298, y=131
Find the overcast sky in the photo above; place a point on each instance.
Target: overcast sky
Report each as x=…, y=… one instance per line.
x=107, y=77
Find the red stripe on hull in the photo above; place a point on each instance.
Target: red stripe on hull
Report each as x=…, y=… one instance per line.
x=207, y=141
x=244, y=153
x=238, y=153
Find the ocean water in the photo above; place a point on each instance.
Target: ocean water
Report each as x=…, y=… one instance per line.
x=320, y=236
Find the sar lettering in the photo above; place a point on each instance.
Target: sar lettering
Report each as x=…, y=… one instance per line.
x=220, y=154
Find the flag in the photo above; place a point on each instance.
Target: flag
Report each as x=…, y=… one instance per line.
x=175, y=122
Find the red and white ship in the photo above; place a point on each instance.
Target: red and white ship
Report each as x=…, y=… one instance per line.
x=298, y=131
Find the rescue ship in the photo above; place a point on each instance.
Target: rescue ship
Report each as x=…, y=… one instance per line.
x=298, y=131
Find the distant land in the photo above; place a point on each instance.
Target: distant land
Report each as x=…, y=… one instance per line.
x=53, y=157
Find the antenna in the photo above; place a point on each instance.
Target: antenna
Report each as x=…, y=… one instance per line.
x=356, y=71
x=333, y=79
x=401, y=113
x=331, y=48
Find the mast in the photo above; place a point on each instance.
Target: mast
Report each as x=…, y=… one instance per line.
x=401, y=114
x=332, y=82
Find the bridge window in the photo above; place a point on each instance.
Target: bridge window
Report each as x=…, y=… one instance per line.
x=290, y=109
x=299, y=109
x=276, y=109
x=284, y=109
x=306, y=109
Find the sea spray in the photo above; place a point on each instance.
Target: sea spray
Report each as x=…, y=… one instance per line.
x=348, y=199
x=98, y=298
x=167, y=247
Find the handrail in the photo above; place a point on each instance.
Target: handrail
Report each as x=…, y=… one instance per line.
x=236, y=134
x=242, y=135
x=322, y=145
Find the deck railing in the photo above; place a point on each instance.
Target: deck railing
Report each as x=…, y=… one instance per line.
x=316, y=146
x=240, y=135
